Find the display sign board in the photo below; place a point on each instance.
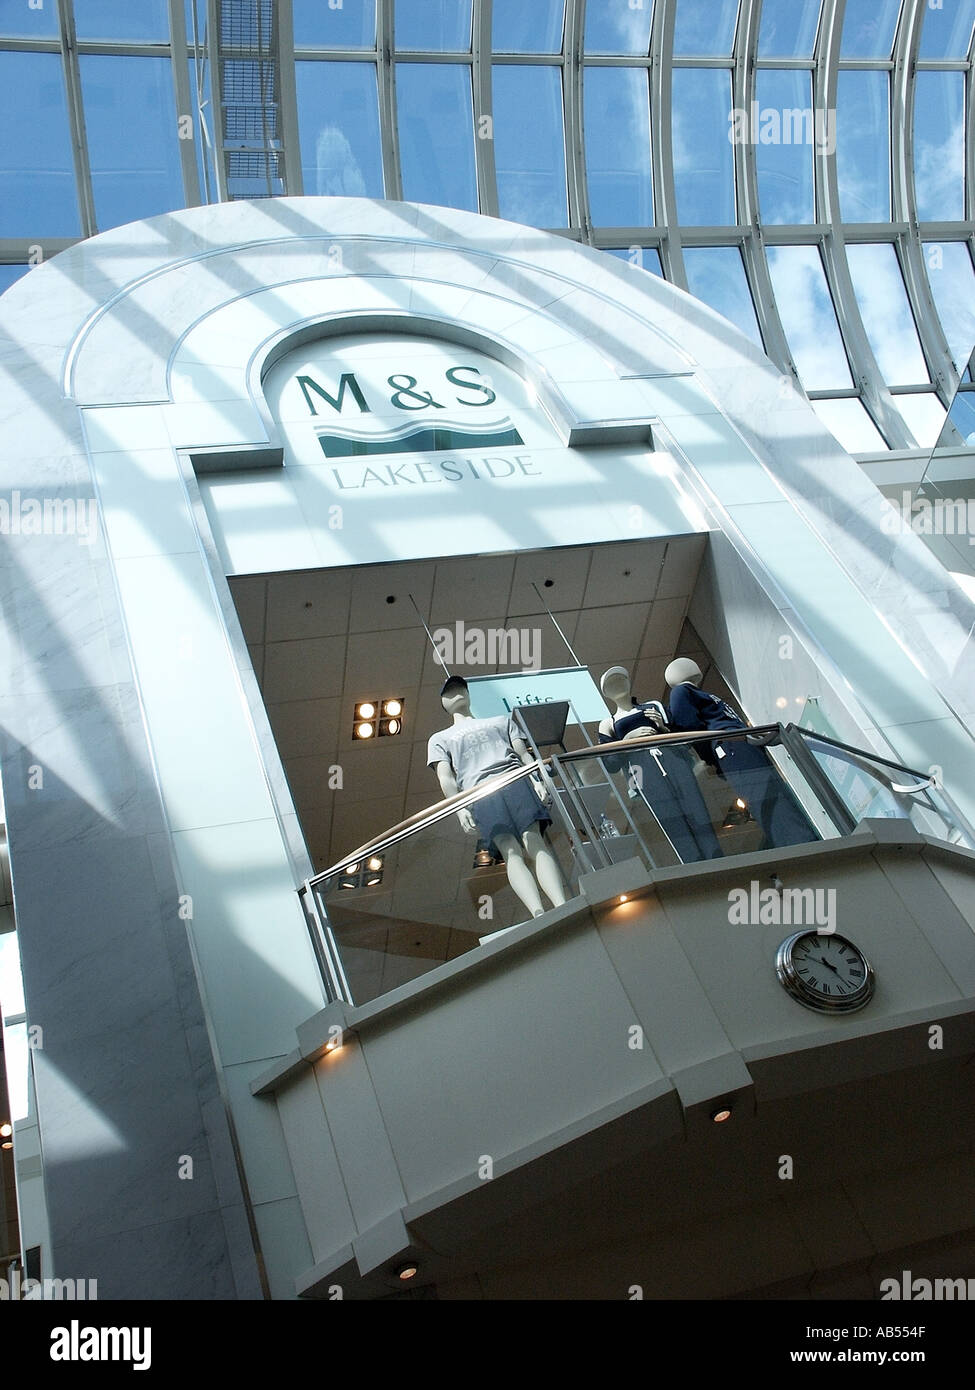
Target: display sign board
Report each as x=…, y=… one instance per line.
x=503, y=693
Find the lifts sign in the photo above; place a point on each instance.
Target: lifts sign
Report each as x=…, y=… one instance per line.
x=412, y=416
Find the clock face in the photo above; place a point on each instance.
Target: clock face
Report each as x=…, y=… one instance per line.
x=825, y=972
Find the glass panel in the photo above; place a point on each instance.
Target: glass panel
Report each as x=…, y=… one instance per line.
x=868, y=29
x=201, y=19
x=643, y=257
x=317, y=25
x=436, y=26
x=716, y=274
x=886, y=314
x=953, y=287
x=531, y=173
x=705, y=28
x=703, y=168
x=787, y=134
x=947, y=30
x=17, y=21
x=130, y=118
x=939, y=146
x=962, y=415
x=107, y=19
x=616, y=112
x=788, y=28
x=616, y=26
x=851, y=426
x=871, y=790
x=37, y=187
x=521, y=28
x=436, y=134
x=863, y=146
x=9, y=274
x=338, y=129
x=925, y=416
x=806, y=308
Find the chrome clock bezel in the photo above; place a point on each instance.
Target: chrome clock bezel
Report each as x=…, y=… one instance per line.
x=808, y=995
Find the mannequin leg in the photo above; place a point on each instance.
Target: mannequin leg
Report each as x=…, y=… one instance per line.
x=520, y=876
x=545, y=865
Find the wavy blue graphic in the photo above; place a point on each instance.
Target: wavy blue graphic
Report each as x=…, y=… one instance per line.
x=425, y=439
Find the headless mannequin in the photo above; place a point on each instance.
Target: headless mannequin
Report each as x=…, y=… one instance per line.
x=528, y=858
x=671, y=792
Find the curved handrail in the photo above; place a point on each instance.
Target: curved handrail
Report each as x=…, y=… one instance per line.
x=450, y=805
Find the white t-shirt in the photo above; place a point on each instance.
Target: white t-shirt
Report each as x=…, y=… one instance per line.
x=475, y=748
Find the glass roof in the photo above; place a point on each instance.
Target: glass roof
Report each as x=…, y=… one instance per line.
x=801, y=167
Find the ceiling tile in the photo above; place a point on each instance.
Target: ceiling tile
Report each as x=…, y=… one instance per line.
x=609, y=583
x=567, y=571
x=663, y=628
x=303, y=670
x=374, y=767
x=374, y=585
x=249, y=594
x=471, y=588
x=681, y=566
x=610, y=636
x=381, y=665
x=306, y=727
x=308, y=603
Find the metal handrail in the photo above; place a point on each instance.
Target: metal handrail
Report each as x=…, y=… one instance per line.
x=771, y=734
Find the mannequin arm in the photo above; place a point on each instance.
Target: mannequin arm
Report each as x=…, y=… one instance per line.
x=528, y=758
x=449, y=787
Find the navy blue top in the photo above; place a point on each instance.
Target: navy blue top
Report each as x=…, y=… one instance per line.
x=648, y=714
x=691, y=708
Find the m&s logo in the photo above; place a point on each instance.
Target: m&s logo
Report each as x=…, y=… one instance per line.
x=403, y=392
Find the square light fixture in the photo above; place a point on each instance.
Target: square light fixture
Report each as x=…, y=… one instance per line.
x=364, y=873
x=377, y=718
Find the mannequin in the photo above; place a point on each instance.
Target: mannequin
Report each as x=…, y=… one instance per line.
x=475, y=750
x=746, y=767
x=664, y=776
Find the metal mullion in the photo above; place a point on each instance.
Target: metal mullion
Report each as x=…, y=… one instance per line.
x=714, y=236
x=389, y=131
x=758, y=278
x=939, y=64
x=849, y=393
x=863, y=365
x=947, y=231
x=857, y=232
x=622, y=238
x=793, y=64
x=30, y=45
x=662, y=142
x=873, y=64
x=532, y=60
x=970, y=135
x=577, y=187
x=16, y=250
x=795, y=234
x=109, y=48
x=76, y=118
x=482, y=94
x=211, y=56
x=324, y=55
x=453, y=59
x=910, y=255
x=294, y=182
x=185, y=103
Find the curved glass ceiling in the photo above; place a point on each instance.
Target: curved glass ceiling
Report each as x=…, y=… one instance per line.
x=805, y=167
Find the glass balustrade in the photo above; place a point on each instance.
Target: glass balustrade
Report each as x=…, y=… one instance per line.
x=428, y=890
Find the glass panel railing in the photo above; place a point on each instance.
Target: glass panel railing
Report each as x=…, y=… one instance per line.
x=438, y=885
x=679, y=802
x=871, y=787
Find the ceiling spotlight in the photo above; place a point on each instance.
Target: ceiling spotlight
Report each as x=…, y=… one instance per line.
x=366, y=710
x=392, y=707
x=6, y=1129
x=363, y=730
x=407, y=1271
x=390, y=726
x=719, y=1116
x=624, y=898
x=7, y=1144
x=374, y=863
